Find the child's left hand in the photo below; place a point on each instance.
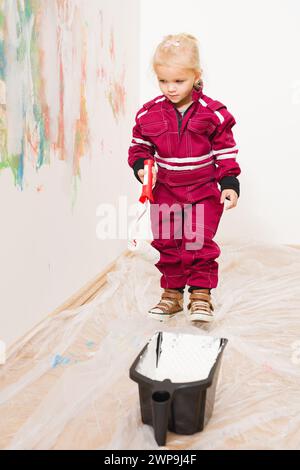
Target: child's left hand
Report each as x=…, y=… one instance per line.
x=231, y=195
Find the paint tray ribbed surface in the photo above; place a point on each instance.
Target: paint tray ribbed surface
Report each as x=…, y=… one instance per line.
x=177, y=376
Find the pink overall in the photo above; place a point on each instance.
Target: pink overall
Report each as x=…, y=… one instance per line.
x=191, y=160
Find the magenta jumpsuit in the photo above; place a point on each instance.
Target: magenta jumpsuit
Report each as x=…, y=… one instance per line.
x=193, y=155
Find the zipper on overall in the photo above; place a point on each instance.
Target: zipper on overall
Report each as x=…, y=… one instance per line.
x=180, y=117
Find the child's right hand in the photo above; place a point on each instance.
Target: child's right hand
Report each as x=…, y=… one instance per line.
x=142, y=172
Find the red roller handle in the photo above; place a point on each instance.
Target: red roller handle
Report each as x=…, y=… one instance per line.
x=147, y=184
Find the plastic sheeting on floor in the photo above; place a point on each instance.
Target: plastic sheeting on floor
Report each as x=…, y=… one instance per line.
x=69, y=386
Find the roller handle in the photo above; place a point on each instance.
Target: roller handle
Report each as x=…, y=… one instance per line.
x=147, y=184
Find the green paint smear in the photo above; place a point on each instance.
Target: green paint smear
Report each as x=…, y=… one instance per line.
x=13, y=162
x=4, y=165
x=21, y=49
x=20, y=170
x=44, y=145
x=26, y=14
x=29, y=7
x=1, y=18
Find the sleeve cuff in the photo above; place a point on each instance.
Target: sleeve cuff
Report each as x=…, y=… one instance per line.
x=139, y=165
x=230, y=182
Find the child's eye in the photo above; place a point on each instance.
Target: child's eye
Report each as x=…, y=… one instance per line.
x=180, y=81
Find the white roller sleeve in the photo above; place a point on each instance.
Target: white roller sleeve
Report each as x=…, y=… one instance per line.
x=140, y=246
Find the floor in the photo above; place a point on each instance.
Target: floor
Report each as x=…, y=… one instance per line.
x=69, y=386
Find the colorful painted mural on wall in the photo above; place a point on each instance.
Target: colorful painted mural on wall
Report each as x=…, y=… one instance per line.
x=53, y=55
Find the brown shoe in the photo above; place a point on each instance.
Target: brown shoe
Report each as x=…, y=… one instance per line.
x=200, y=306
x=171, y=303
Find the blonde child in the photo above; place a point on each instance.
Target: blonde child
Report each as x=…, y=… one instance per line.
x=189, y=136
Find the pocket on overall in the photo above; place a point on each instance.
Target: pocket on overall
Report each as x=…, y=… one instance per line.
x=203, y=126
x=157, y=133
x=154, y=128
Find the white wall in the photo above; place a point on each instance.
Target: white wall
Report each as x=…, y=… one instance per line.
x=49, y=247
x=251, y=62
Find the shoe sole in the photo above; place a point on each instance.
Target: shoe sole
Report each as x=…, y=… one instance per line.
x=201, y=317
x=163, y=316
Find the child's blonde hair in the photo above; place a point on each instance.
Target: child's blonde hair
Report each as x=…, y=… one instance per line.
x=179, y=50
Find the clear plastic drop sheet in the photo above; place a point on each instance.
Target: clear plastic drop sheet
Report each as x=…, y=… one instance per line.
x=68, y=386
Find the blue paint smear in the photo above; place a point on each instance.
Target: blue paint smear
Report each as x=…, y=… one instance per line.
x=20, y=170
x=58, y=359
x=2, y=60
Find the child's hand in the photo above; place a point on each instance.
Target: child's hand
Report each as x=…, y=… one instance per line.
x=231, y=195
x=141, y=175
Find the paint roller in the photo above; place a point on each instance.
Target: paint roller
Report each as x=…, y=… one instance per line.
x=142, y=247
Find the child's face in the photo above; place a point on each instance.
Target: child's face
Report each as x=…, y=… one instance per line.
x=176, y=83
